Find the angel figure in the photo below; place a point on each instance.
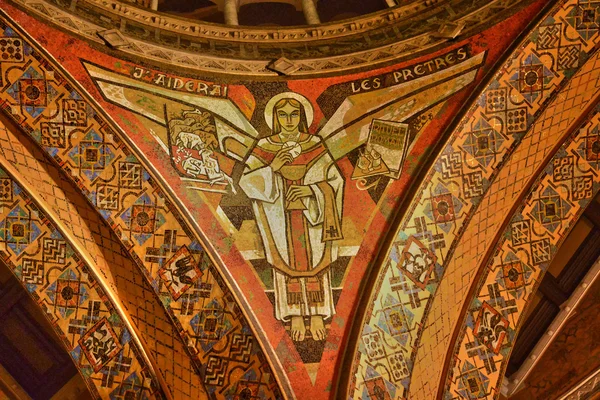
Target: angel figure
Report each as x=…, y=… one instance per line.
x=291, y=176
x=296, y=191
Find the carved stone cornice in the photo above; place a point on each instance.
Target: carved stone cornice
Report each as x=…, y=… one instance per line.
x=367, y=41
x=333, y=30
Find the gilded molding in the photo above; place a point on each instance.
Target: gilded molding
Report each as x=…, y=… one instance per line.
x=586, y=389
x=30, y=175
x=418, y=295
x=220, y=54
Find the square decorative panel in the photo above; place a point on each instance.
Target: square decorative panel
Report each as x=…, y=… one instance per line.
x=180, y=272
x=490, y=328
x=100, y=344
x=417, y=262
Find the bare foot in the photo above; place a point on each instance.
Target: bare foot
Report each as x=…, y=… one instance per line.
x=298, y=329
x=317, y=327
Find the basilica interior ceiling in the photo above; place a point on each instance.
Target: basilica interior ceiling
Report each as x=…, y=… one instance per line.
x=305, y=200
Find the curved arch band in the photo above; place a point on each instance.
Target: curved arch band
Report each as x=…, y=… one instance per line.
x=525, y=113
x=146, y=226
x=48, y=262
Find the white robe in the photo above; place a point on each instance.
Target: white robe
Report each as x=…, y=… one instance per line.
x=266, y=189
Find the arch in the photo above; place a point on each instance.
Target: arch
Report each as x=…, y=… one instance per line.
x=216, y=338
x=531, y=237
x=454, y=218
x=67, y=290
x=113, y=271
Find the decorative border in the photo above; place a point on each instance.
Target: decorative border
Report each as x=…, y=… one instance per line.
x=568, y=183
x=307, y=61
x=61, y=284
x=58, y=115
x=398, y=310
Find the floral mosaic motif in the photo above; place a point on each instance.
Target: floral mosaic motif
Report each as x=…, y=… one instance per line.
x=90, y=151
x=513, y=274
x=532, y=78
x=31, y=92
x=67, y=293
x=76, y=306
x=93, y=154
x=484, y=142
x=19, y=229
x=490, y=131
x=143, y=218
x=443, y=208
x=550, y=208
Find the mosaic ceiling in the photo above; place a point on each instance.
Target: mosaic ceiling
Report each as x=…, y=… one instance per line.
x=216, y=212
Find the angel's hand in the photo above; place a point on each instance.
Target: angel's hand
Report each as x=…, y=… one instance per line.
x=281, y=158
x=297, y=192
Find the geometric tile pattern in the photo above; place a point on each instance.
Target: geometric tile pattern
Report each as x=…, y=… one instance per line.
x=80, y=312
x=512, y=179
x=49, y=107
x=85, y=230
x=528, y=260
x=448, y=198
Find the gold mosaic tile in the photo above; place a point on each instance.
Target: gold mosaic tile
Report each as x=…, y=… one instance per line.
x=417, y=298
x=60, y=281
x=193, y=326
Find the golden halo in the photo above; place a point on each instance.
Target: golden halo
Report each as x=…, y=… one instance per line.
x=308, y=108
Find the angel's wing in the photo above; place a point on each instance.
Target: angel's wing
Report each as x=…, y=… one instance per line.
x=349, y=127
x=235, y=134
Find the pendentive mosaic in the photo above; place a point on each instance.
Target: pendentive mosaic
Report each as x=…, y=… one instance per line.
x=208, y=141
x=60, y=282
x=38, y=96
x=403, y=296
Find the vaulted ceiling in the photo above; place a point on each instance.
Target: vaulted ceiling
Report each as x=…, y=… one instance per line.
x=361, y=200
